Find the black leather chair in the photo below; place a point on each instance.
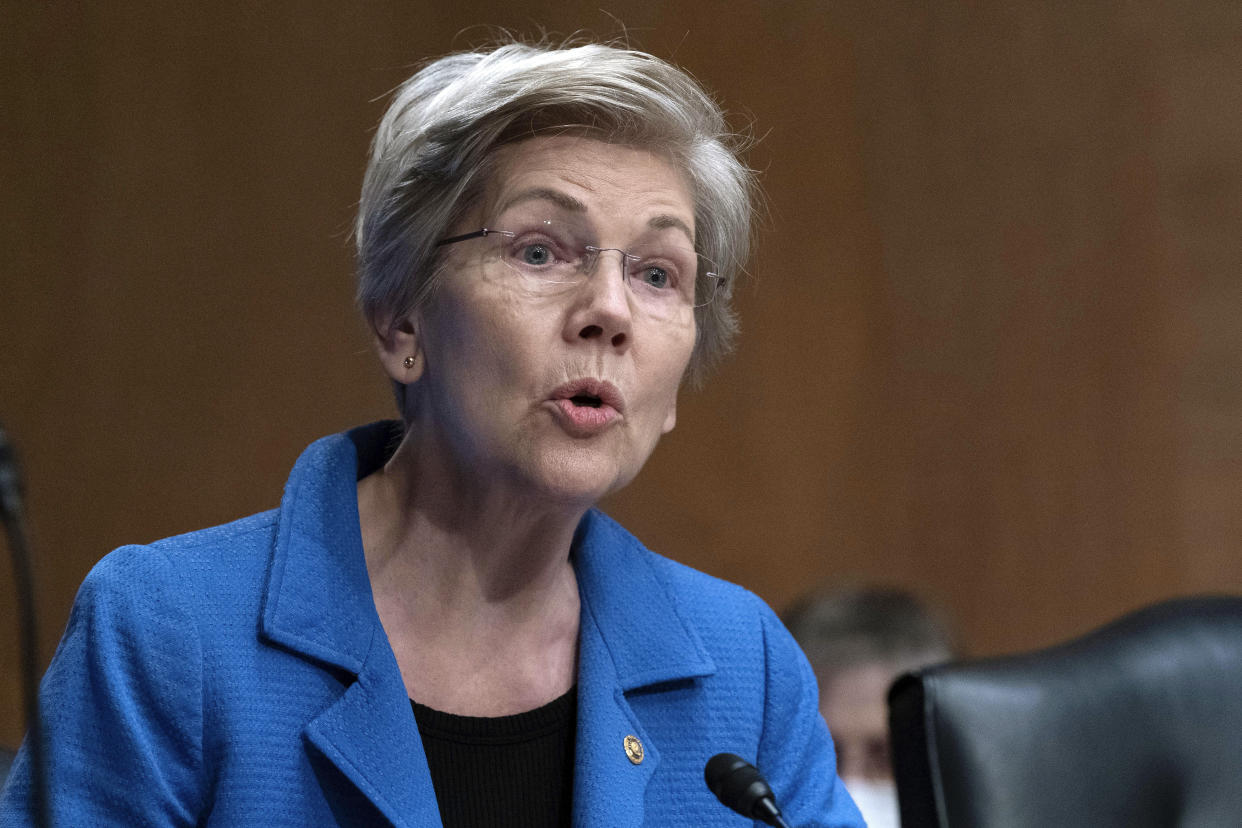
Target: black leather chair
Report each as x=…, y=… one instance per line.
x=1135, y=725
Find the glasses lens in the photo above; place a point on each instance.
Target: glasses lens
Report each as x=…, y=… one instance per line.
x=662, y=274
x=539, y=256
x=666, y=276
x=696, y=274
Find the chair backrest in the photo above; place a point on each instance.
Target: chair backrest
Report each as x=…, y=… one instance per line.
x=1137, y=724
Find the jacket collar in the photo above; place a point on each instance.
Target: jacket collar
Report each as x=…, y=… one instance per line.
x=318, y=603
x=318, y=561
x=630, y=636
x=630, y=607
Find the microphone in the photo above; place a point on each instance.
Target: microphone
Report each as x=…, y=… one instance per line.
x=739, y=785
x=10, y=479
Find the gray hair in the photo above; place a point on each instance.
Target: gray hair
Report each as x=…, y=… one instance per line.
x=431, y=158
x=852, y=626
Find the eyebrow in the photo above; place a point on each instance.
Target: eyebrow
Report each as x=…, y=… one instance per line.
x=562, y=200
x=664, y=222
x=573, y=205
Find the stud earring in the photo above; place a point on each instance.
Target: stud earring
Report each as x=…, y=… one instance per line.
x=408, y=362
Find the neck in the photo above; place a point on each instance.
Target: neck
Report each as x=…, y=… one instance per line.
x=474, y=576
x=459, y=533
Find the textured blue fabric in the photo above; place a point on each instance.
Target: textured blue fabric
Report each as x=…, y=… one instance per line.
x=240, y=676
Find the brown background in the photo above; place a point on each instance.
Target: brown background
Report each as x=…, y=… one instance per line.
x=992, y=349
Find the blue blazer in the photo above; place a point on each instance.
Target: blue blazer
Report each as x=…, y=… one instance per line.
x=240, y=676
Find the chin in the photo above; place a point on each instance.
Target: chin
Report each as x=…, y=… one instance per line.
x=582, y=476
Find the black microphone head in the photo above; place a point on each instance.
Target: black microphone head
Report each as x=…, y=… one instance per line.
x=739, y=785
x=8, y=457
x=10, y=476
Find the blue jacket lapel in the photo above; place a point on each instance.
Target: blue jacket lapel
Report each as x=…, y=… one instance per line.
x=370, y=735
x=609, y=789
x=318, y=603
x=630, y=637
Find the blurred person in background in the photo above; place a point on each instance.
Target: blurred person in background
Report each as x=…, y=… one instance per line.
x=859, y=640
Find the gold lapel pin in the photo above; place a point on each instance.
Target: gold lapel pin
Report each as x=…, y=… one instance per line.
x=634, y=749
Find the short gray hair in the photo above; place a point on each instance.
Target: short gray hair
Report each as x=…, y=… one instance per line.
x=842, y=628
x=432, y=153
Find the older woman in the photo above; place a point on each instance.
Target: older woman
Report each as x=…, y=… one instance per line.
x=436, y=627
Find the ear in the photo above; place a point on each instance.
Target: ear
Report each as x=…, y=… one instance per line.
x=670, y=419
x=397, y=343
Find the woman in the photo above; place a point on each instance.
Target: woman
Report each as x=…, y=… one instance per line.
x=436, y=623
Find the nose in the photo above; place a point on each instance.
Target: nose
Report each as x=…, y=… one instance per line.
x=602, y=310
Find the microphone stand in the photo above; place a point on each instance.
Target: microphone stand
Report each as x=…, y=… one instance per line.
x=23, y=579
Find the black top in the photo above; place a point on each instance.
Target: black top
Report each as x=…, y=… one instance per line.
x=502, y=772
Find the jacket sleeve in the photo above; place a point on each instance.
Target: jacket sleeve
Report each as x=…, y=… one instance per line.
x=121, y=704
x=795, y=750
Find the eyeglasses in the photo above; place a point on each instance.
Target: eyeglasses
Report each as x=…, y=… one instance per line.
x=665, y=276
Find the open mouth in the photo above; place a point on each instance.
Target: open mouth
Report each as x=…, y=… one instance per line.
x=588, y=405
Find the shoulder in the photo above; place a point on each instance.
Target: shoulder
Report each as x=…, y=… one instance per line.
x=128, y=681
x=731, y=621
x=201, y=573
x=698, y=591
x=685, y=580
x=225, y=545
x=245, y=533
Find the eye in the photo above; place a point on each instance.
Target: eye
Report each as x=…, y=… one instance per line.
x=536, y=255
x=657, y=277
x=664, y=270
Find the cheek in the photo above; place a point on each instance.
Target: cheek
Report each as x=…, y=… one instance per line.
x=671, y=372
x=674, y=360
x=467, y=341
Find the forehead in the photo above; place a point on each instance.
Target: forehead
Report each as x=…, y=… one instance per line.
x=608, y=184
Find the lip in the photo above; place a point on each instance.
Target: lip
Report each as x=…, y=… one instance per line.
x=585, y=420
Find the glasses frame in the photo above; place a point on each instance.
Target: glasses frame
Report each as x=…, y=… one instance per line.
x=714, y=279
